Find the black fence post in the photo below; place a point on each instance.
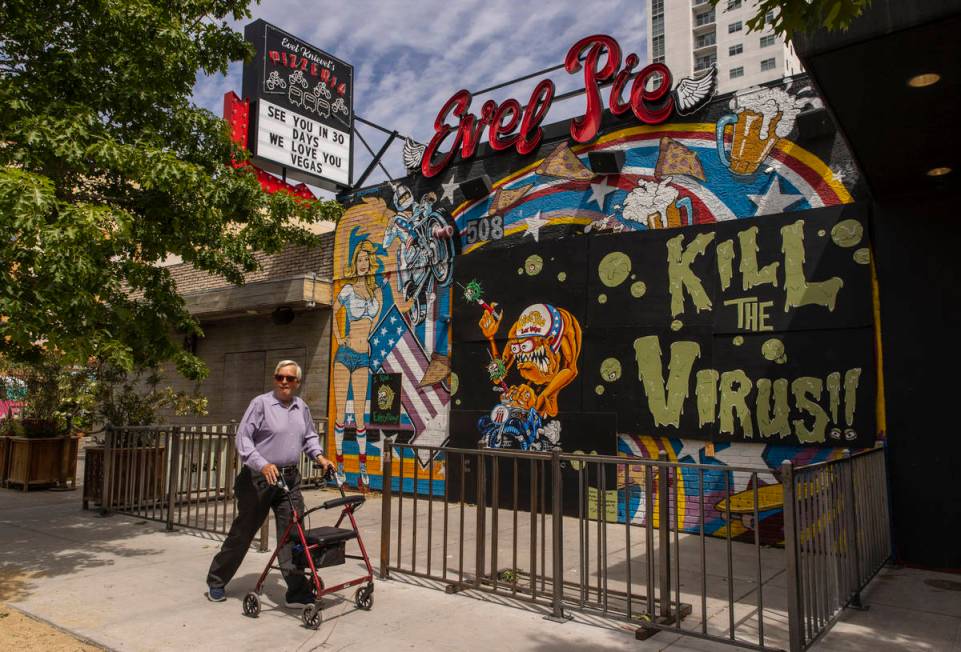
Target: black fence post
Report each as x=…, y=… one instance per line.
x=173, y=482
x=387, y=473
x=664, y=534
x=480, y=559
x=795, y=623
x=109, y=443
x=557, y=545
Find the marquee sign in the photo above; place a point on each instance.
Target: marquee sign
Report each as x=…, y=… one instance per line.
x=651, y=98
x=303, y=108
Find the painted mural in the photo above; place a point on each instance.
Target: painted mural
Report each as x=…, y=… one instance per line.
x=674, y=304
x=393, y=262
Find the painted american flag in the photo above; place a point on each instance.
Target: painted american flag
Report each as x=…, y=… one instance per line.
x=395, y=349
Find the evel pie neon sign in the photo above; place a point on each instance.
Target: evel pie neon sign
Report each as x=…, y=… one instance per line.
x=602, y=62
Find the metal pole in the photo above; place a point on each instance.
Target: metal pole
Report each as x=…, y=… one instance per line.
x=108, y=447
x=557, y=545
x=791, y=536
x=852, y=541
x=173, y=482
x=481, y=519
x=387, y=471
x=664, y=532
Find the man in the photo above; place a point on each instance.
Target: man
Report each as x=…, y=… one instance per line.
x=275, y=430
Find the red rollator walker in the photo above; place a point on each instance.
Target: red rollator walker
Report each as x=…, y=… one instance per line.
x=318, y=548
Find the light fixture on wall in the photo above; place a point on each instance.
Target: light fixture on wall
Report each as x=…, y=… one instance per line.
x=476, y=188
x=938, y=172
x=282, y=315
x=924, y=79
x=606, y=162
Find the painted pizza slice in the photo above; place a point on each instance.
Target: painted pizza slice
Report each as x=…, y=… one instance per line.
x=674, y=158
x=504, y=198
x=563, y=163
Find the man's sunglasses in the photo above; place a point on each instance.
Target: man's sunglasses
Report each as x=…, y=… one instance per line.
x=289, y=379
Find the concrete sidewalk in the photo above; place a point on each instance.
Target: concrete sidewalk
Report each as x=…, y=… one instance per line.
x=126, y=584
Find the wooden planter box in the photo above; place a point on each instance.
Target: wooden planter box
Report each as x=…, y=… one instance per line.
x=35, y=461
x=138, y=476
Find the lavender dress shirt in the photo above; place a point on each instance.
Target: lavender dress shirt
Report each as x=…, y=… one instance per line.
x=271, y=433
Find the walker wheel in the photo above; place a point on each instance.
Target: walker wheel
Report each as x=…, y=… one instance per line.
x=313, y=615
x=251, y=605
x=364, y=598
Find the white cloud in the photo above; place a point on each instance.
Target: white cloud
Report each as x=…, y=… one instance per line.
x=410, y=57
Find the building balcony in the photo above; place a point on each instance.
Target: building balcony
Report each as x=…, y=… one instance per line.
x=703, y=29
x=704, y=49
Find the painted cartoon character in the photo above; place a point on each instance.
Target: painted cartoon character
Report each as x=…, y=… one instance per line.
x=361, y=302
x=545, y=343
x=426, y=253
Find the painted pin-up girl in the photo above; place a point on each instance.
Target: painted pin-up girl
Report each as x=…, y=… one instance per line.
x=361, y=302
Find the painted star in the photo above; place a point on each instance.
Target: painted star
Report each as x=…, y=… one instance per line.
x=742, y=454
x=773, y=200
x=376, y=341
x=393, y=319
x=383, y=331
x=534, y=224
x=600, y=191
x=449, y=189
x=690, y=448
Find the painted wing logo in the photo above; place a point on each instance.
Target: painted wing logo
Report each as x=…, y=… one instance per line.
x=691, y=93
x=413, y=153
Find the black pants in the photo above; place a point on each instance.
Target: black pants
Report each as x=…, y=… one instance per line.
x=255, y=499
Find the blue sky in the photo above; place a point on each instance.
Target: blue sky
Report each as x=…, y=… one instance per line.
x=410, y=57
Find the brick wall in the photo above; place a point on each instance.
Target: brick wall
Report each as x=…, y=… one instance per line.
x=293, y=261
x=241, y=354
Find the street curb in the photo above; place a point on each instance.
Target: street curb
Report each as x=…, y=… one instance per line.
x=63, y=630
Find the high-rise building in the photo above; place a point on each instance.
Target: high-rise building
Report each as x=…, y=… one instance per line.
x=690, y=35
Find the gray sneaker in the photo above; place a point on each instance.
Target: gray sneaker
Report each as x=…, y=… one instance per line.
x=216, y=594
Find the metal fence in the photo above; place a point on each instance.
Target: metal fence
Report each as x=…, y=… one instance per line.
x=837, y=538
x=620, y=537
x=180, y=475
x=581, y=532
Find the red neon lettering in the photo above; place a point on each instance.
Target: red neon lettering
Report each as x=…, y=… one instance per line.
x=324, y=75
x=512, y=110
x=649, y=105
x=469, y=133
x=274, y=56
x=617, y=106
x=531, y=133
x=313, y=69
x=458, y=105
x=585, y=128
x=342, y=89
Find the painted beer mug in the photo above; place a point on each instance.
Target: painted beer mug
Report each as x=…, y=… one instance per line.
x=658, y=205
x=760, y=118
x=754, y=137
x=670, y=217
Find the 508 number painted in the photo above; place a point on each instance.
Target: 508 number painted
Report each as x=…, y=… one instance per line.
x=484, y=229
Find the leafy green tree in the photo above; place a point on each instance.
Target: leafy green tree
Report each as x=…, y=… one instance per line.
x=106, y=168
x=787, y=17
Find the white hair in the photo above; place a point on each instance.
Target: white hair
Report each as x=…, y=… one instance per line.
x=288, y=363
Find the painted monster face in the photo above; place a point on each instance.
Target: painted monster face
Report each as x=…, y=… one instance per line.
x=535, y=359
x=532, y=342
